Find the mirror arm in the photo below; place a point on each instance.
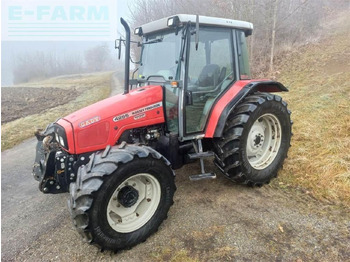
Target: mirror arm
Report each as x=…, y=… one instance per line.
x=197, y=31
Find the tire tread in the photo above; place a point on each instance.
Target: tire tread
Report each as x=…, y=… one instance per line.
x=89, y=180
x=227, y=148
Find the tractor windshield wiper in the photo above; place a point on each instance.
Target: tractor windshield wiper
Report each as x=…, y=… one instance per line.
x=153, y=41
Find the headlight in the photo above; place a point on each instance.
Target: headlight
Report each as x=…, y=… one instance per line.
x=62, y=141
x=173, y=21
x=60, y=136
x=138, y=31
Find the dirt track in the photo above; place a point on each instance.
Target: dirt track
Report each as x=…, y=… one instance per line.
x=210, y=221
x=216, y=220
x=17, y=102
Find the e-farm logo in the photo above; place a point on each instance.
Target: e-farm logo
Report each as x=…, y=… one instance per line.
x=59, y=20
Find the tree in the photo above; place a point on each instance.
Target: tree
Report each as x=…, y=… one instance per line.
x=273, y=33
x=96, y=58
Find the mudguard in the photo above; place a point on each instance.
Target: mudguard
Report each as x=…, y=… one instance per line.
x=229, y=100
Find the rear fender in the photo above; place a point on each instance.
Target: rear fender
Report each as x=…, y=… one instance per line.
x=226, y=104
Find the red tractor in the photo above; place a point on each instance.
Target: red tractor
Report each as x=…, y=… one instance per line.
x=192, y=98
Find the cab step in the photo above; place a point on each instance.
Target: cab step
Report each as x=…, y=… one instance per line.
x=201, y=155
x=197, y=144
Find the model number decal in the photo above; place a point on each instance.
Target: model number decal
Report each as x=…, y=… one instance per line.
x=138, y=113
x=89, y=121
x=139, y=116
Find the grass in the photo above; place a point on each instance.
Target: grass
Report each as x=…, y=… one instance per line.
x=196, y=246
x=319, y=79
x=93, y=87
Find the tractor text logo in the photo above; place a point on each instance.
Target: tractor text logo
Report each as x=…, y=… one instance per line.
x=138, y=113
x=120, y=117
x=139, y=116
x=89, y=121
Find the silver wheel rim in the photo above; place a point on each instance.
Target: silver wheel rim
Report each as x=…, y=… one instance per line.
x=126, y=219
x=264, y=141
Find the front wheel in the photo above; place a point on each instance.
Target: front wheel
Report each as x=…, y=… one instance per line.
x=255, y=140
x=124, y=198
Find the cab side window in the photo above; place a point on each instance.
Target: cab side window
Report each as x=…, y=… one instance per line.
x=210, y=71
x=243, y=58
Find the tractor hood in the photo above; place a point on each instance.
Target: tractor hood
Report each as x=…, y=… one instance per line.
x=96, y=126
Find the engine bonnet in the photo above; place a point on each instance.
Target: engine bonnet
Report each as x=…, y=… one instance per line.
x=101, y=124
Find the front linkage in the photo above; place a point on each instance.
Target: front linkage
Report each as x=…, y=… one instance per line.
x=54, y=168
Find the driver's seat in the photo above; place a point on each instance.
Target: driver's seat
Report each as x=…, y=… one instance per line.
x=209, y=77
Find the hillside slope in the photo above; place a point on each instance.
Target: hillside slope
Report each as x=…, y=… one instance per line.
x=318, y=76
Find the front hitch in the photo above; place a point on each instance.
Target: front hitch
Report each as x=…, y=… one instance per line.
x=49, y=163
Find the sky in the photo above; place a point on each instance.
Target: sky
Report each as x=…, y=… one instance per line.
x=16, y=16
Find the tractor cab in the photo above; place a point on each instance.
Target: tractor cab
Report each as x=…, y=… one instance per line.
x=196, y=59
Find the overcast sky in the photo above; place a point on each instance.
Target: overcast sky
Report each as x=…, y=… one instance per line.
x=12, y=50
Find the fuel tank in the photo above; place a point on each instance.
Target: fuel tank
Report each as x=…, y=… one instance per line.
x=98, y=125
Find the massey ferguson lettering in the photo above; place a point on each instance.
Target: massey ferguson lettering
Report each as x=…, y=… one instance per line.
x=137, y=112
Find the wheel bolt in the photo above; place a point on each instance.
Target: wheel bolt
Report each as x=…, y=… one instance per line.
x=134, y=184
x=148, y=200
x=137, y=214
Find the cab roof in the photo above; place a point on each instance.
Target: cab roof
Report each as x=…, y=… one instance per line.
x=162, y=24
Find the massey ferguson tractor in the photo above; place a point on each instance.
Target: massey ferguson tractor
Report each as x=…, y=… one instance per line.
x=191, y=98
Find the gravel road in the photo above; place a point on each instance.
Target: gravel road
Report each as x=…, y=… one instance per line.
x=210, y=221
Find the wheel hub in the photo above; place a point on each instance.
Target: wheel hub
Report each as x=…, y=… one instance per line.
x=264, y=141
x=258, y=141
x=128, y=196
x=133, y=203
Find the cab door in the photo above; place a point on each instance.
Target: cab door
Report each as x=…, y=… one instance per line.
x=210, y=70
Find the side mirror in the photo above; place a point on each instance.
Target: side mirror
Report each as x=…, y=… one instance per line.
x=119, y=46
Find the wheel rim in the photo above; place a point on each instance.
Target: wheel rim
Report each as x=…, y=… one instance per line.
x=133, y=203
x=264, y=141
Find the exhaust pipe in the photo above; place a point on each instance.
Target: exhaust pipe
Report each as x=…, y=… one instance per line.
x=127, y=55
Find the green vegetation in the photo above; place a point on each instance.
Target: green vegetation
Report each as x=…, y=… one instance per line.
x=92, y=88
x=319, y=79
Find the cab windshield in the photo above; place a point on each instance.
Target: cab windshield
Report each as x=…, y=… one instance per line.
x=160, y=55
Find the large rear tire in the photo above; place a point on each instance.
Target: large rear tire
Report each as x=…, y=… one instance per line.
x=255, y=140
x=121, y=198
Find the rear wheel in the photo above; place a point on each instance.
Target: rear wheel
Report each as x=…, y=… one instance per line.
x=119, y=200
x=255, y=140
